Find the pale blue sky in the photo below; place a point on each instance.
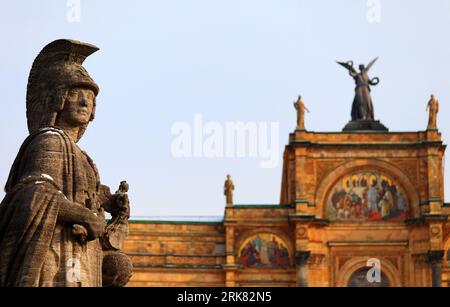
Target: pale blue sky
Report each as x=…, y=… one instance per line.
x=163, y=61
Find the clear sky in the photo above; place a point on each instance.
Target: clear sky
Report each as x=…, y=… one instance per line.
x=162, y=62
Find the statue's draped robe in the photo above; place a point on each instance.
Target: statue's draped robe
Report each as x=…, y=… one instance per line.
x=362, y=107
x=229, y=187
x=36, y=250
x=432, y=118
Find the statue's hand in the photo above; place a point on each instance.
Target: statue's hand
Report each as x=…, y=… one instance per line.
x=80, y=233
x=94, y=225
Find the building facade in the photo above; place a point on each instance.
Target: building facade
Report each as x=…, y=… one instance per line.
x=357, y=208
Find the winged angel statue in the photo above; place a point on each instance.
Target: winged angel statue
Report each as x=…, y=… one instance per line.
x=362, y=107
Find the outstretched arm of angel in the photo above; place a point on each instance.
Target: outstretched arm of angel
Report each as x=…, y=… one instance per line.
x=371, y=64
x=375, y=80
x=349, y=66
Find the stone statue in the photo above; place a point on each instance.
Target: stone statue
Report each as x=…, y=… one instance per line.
x=228, y=191
x=52, y=219
x=300, y=107
x=433, y=107
x=362, y=107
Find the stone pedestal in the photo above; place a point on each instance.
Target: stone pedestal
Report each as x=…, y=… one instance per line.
x=365, y=125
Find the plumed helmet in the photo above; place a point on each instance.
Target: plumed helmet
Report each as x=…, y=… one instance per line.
x=57, y=68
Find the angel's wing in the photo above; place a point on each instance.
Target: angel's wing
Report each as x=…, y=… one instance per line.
x=348, y=66
x=371, y=64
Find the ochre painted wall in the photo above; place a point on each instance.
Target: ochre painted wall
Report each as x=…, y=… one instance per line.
x=209, y=254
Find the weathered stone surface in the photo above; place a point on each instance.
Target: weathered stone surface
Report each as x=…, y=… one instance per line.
x=52, y=221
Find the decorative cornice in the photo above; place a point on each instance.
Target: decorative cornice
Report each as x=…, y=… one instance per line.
x=370, y=145
x=175, y=255
x=177, y=266
x=368, y=243
x=430, y=200
x=304, y=201
x=231, y=266
x=274, y=206
x=176, y=222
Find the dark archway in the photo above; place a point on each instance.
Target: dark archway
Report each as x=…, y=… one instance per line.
x=359, y=279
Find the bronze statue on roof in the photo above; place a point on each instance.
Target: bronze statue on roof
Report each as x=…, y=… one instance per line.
x=362, y=107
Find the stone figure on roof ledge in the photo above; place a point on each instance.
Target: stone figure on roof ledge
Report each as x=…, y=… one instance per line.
x=433, y=108
x=362, y=108
x=228, y=191
x=299, y=105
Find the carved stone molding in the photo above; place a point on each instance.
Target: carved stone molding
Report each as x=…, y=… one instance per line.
x=420, y=259
x=316, y=259
x=301, y=257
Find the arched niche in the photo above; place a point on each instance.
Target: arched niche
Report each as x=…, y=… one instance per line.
x=359, y=279
x=402, y=200
x=264, y=250
x=357, y=265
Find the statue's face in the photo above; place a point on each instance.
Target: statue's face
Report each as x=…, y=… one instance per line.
x=78, y=106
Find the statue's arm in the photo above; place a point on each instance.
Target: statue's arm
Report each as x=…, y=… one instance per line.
x=43, y=164
x=349, y=66
x=369, y=66
x=105, y=198
x=71, y=215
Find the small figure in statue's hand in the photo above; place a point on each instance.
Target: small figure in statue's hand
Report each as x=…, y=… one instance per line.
x=118, y=205
x=123, y=187
x=122, y=201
